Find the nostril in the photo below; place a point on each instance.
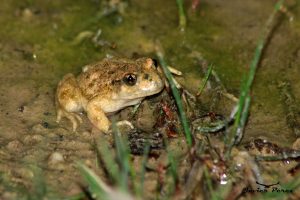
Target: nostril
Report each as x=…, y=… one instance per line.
x=146, y=76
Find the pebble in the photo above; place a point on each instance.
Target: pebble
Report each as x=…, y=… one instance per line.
x=15, y=146
x=55, y=158
x=32, y=139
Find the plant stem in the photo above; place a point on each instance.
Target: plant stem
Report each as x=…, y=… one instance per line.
x=182, y=18
x=183, y=118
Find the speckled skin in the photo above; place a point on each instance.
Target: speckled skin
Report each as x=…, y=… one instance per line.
x=103, y=88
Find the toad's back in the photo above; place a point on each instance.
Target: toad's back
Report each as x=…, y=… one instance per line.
x=104, y=77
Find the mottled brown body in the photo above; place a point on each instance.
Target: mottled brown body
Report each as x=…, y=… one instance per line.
x=106, y=87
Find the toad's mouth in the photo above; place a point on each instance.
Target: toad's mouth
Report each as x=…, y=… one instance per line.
x=140, y=94
x=140, y=90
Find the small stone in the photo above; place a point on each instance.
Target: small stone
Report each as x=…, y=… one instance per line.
x=25, y=173
x=32, y=139
x=15, y=146
x=88, y=163
x=27, y=14
x=55, y=158
x=87, y=135
x=38, y=128
x=21, y=108
x=9, y=195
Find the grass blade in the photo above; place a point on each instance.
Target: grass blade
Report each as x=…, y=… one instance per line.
x=96, y=186
x=182, y=18
x=140, y=190
x=109, y=162
x=183, y=118
x=123, y=157
x=99, y=189
x=204, y=82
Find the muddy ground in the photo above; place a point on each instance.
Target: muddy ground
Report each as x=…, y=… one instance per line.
x=40, y=42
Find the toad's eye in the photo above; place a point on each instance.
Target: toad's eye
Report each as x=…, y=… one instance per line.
x=130, y=79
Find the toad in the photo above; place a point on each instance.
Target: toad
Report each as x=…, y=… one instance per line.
x=104, y=88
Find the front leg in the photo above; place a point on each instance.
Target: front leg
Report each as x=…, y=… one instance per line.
x=97, y=116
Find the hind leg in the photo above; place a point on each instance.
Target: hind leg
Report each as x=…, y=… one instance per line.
x=73, y=117
x=69, y=100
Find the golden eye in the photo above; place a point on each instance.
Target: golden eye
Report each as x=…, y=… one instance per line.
x=130, y=79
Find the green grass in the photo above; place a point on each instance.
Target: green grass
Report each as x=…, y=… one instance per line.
x=204, y=82
x=140, y=190
x=123, y=157
x=176, y=94
x=96, y=186
x=108, y=162
x=181, y=13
